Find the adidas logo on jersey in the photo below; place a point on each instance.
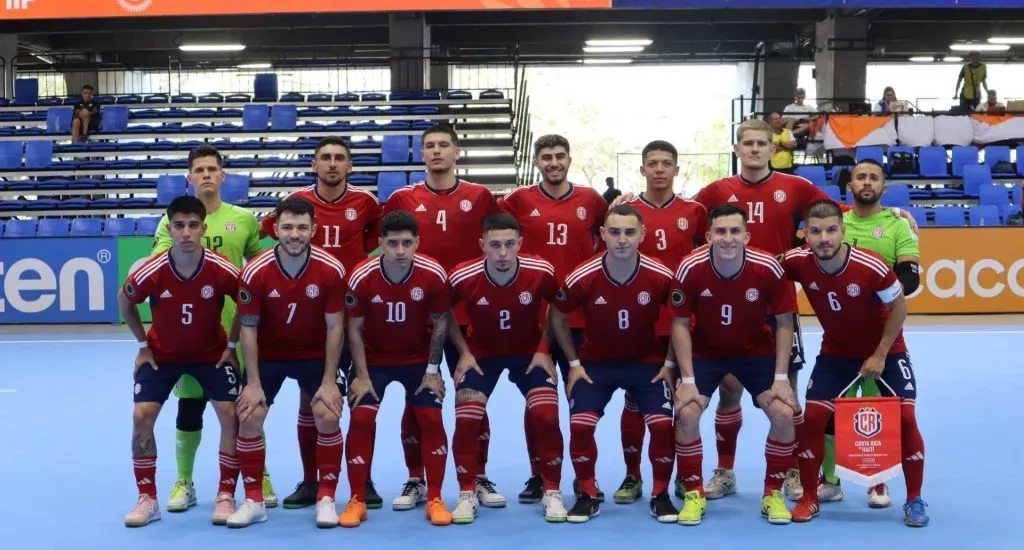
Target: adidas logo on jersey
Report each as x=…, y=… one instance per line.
x=376, y=299
x=813, y=286
x=535, y=213
x=274, y=294
x=706, y=293
x=482, y=302
x=166, y=294
x=421, y=208
x=909, y=386
x=233, y=391
x=600, y=301
x=732, y=198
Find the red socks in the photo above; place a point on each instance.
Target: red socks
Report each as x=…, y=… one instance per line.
x=632, y=428
x=411, y=443
x=145, y=474
x=307, y=446
x=583, y=449
x=798, y=426
x=360, y=446
x=229, y=472
x=435, y=448
x=252, y=457
x=329, y=449
x=778, y=457
x=542, y=415
x=690, y=464
x=660, y=450
x=466, y=442
x=811, y=441
x=727, y=431
x=531, y=442
x=913, y=450
x=485, y=443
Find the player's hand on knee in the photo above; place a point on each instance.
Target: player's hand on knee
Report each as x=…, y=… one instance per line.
x=783, y=391
x=228, y=357
x=686, y=394
x=466, y=363
x=251, y=399
x=575, y=375
x=144, y=356
x=434, y=383
x=358, y=388
x=330, y=396
x=872, y=368
x=543, y=361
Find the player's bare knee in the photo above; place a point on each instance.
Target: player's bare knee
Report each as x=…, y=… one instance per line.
x=779, y=413
x=326, y=420
x=688, y=421
x=730, y=394
x=227, y=412
x=144, y=415
x=305, y=403
x=470, y=395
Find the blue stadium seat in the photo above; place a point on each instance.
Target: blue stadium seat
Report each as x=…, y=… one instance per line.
x=104, y=99
x=949, y=216
x=156, y=98
x=872, y=152
x=169, y=187
x=919, y=213
x=2, y=224
x=10, y=155
x=984, y=215
x=120, y=227
x=284, y=117
x=53, y=227
x=459, y=94
x=400, y=96
x=318, y=97
x=975, y=175
x=263, y=200
x=834, y=174
x=425, y=110
x=20, y=229
x=832, y=191
x=374, y=96
x=997, y=158
x=264, y=87
x=235, y=188
x=86, y=227
x=211, y=98
x=348, y=96
x=73, y=204
x=1015, y=194
x=293, y=97
x=106, y=203
x=13, y=204
x=364, y=179
x=388, y=182
x=395, y=150
x=26, y=91
x=417, y=149
x=416, y=177
x=58, y=120
x=146, y=227
x=1009, y=210
x=429, y=95
x=931, y=162
x=238, y=98
x=48, y=101
x=813, y=173
x=255, y=117
x=896, y=195
x=994, y=194
x=38, y=154
x=491, y=94
x=899, y=153
x=114, y=119
x=129, y=100
x=964, y=156
x=42, y=204
x=183, y=98
x=365, y=160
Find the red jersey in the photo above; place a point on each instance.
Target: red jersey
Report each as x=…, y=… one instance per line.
x=396, y=326
x=851, y=303
x=774, y=205
x=449, y=221
x=673, y=230
x=620, y=316
x=503, y=318
x=563, y=230
x=292, y=325
x=729, y=317
x=345, y=227
x=186, y=325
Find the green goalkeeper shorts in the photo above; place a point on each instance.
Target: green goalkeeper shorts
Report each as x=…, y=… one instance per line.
x=187, y=386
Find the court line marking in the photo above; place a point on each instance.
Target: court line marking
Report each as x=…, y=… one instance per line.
x=807, y=332
x=4, y=390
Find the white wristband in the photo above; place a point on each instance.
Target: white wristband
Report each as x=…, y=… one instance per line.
x=575, y=363
x=688, y=380
x=669, y=363
x=232, y=345
x=433, y=369
x=144, y=344
x=782, y=377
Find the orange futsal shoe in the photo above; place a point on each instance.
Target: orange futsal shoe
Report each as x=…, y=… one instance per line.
x=355, y=513
x=438, y=513
x=806, y=509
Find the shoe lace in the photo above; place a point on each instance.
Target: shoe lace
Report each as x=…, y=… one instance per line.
x=410, y=488
x=915, y=506
x=486, y=485
x=534, y=481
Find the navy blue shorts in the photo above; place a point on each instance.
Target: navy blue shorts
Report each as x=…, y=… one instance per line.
x=757, y=374
x=494, y=366
x=635, y=378
x=796, y=356
x=219, y=384
x=309, y=374
x=832, y=374
x=409, y=376
x=559, y=358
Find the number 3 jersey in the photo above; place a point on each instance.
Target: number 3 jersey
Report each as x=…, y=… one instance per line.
x=397, y=314
x=292, y=326
x=504, y=318
x=186, y=325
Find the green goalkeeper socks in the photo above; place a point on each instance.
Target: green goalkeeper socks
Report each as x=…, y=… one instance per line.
x=187, y=444
x=868, y=388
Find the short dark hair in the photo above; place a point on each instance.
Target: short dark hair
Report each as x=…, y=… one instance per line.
x=623, y=210
x=724, y=210
x=824, y=209
x=549, y=141
x=659, y=145
x=295, y=205
x=186, y=204
x=331, y=140
x=872, y=162
x=88, y=87
x=500, y=221
x=441, y=129
x=397, y=221
x=203, y=151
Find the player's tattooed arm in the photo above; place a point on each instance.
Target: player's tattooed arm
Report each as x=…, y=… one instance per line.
x=783, y=342
x=439, y=336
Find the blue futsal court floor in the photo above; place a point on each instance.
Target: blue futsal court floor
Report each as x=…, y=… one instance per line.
x=66, y=477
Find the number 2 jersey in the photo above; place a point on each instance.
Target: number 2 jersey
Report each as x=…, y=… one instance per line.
x=186, y=326
x=292, y=309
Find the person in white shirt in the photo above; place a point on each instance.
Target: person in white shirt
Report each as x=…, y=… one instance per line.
x=800, y=125
x=992, y=106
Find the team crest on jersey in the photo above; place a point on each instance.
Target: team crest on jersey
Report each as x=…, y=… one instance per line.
x=230, y=227
x=244, y=296
x=853, y=289
x=779, y=196
x=416, y=294
x=581, y=213
x=465, y=205
x=867, y=422
x=643, y=298
x=129, y=289
x=206, y=292
x=752, y=294
x=312, y=291
x=560, y=295
x=351, y=214
x=683, y=224
x=877, y=232
x=678, y=297
x=350, y=299
x=525, y=298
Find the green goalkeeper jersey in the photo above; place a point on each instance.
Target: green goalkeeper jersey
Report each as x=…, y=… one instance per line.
x=231, y=231
x=885, y=233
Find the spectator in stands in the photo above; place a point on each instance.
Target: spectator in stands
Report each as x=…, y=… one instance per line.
x=611, y=193
x=86, y=116
x=887, y=101
x=973, y=76
x=992, y=106
x=799, y=115
x=783, y=144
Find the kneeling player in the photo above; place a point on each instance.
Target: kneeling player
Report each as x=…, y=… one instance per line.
x=852, y=287
x=186, y=287
x=729, y=290
x=391, y=301
x=620, y=293
x=291, y=306
x=504, y=295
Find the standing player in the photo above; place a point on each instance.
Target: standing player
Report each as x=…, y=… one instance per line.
x=723, y=297
x=869, y=226
x=620, y=292
x=233, y=232
x=674, y=226
x=346, y=223
x=391, y=300
x=560, y=222
x=449, y=212
x=851, y=287
x=505, y=293
x=291, y=308
x=186, y=287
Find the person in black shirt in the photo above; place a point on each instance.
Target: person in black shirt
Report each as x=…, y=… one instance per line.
x=86, y=116
x=611, y=193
